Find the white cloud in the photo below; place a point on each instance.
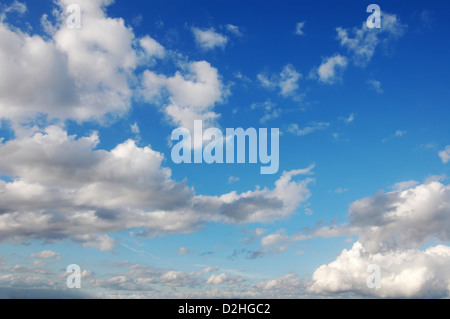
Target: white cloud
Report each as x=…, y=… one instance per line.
x=152, y=47
x=191, y=96
x=299, y=28
x=349, y=119
x=289, y=78
x=209, y=39
x=81, y=74
x=234, y=30
x=362, y=42
x=135, y=128
x=391, y=227
x=222, y=279
x=294, y=128
x=65, y=188
x=46, y=254
x=409, y=273
x=330, y=69
x=445, y=155
x=273, y=239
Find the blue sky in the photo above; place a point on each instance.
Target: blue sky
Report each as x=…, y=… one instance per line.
x=87, y=176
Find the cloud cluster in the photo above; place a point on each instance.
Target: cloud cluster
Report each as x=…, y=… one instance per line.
x=391, y=228
x=64, y=188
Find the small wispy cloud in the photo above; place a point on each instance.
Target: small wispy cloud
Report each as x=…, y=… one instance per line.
x=185, y=251
x=233, y=179
x=299, y=28
x=397, y=134
x=235, y=30
x=341, y=190
x=296, y=130
x=375, y=85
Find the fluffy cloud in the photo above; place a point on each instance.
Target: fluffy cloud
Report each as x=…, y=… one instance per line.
x=329, y=70
x=403, y=219
x=79, y=73
x=362, y=42
x=391, y=228
x=152, y=48
x=64, y=188
x=209, y=39
x=445, y=155
x=189, y=97
x=409, y=273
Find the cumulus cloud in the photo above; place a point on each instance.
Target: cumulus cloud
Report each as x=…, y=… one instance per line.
x=409, y=273
x=82, y=74
x=392, y=227
x=209, y=39
x=189, y=96
x=152, y=48
x=64, y=188
x=401, y=219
